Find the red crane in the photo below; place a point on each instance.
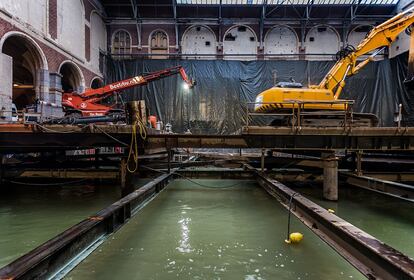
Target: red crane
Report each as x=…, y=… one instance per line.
x=89, y=103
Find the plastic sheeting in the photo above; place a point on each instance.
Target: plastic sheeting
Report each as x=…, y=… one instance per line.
x=216, y=105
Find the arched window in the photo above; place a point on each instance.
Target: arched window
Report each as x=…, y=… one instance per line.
x=159, y=43
x=240, y=39
x=322, y=42
x=121, y=44
x=281, y=40
x=199, y=39
x=159, y=40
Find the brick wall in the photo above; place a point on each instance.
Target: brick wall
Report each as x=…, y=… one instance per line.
x=87, y=43
x=88, y=9
x=53, y=57
x=53, y=18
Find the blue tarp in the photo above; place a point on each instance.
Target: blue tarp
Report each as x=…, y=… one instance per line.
x=217, y=103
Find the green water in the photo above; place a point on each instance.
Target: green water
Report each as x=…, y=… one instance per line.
x=189, y=232
x=389, y=219
x=30, y=216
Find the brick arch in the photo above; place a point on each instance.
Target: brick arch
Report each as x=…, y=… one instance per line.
x=37, y=50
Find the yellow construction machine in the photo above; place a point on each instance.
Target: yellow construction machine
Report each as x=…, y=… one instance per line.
x=323, y=99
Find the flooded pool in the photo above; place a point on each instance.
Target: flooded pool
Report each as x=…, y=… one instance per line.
x=224, y=229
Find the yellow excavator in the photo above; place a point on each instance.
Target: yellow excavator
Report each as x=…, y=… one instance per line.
x=323, y=99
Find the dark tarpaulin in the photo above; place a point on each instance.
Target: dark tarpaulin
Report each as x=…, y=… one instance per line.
x=216, y=105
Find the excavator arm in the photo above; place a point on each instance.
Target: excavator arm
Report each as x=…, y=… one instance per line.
x=378, y=38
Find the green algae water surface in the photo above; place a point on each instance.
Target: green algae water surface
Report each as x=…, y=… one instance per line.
x=230, y=230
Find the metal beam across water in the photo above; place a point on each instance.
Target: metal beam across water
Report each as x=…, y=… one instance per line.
x=369, y=255
x=398, y=190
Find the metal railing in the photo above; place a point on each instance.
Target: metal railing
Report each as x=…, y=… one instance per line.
x=230, y=56
x=296, y=112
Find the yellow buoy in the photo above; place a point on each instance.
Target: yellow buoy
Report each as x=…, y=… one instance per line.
x=331, y=210
x=295, y=237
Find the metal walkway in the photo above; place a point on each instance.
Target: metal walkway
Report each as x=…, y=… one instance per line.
x=21, y=138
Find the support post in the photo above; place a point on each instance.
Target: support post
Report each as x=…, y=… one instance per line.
x=169, y=160
x=262, y=161
x=359, y=163
x=126, y=178
x=330, y=176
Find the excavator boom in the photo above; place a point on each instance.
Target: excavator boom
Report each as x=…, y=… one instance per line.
x=379, y=37
x=327, y=92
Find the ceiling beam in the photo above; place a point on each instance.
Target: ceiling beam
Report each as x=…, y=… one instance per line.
x=174, y=6
x=135, y=11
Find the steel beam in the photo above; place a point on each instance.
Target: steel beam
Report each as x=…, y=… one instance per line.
x=32, y=138
x=55, y=256
x=137, y=16
x=411, y=56
x=370, y=256
x=174, y=7
x=70, y=174
x=246, y=20
x=392, y=176
x=221, y=173
x=398, y=190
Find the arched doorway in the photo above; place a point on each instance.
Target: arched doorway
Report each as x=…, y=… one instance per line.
x=97, y=83
x=29, y=66
x=72, y=77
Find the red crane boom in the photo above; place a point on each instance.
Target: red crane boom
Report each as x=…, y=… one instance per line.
x=87, y=103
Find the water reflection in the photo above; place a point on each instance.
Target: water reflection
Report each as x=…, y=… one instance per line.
x=184, y=242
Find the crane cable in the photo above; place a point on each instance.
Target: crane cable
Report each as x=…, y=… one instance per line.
x=133, y=146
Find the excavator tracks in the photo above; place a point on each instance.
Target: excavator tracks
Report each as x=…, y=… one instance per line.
x=328, y=119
